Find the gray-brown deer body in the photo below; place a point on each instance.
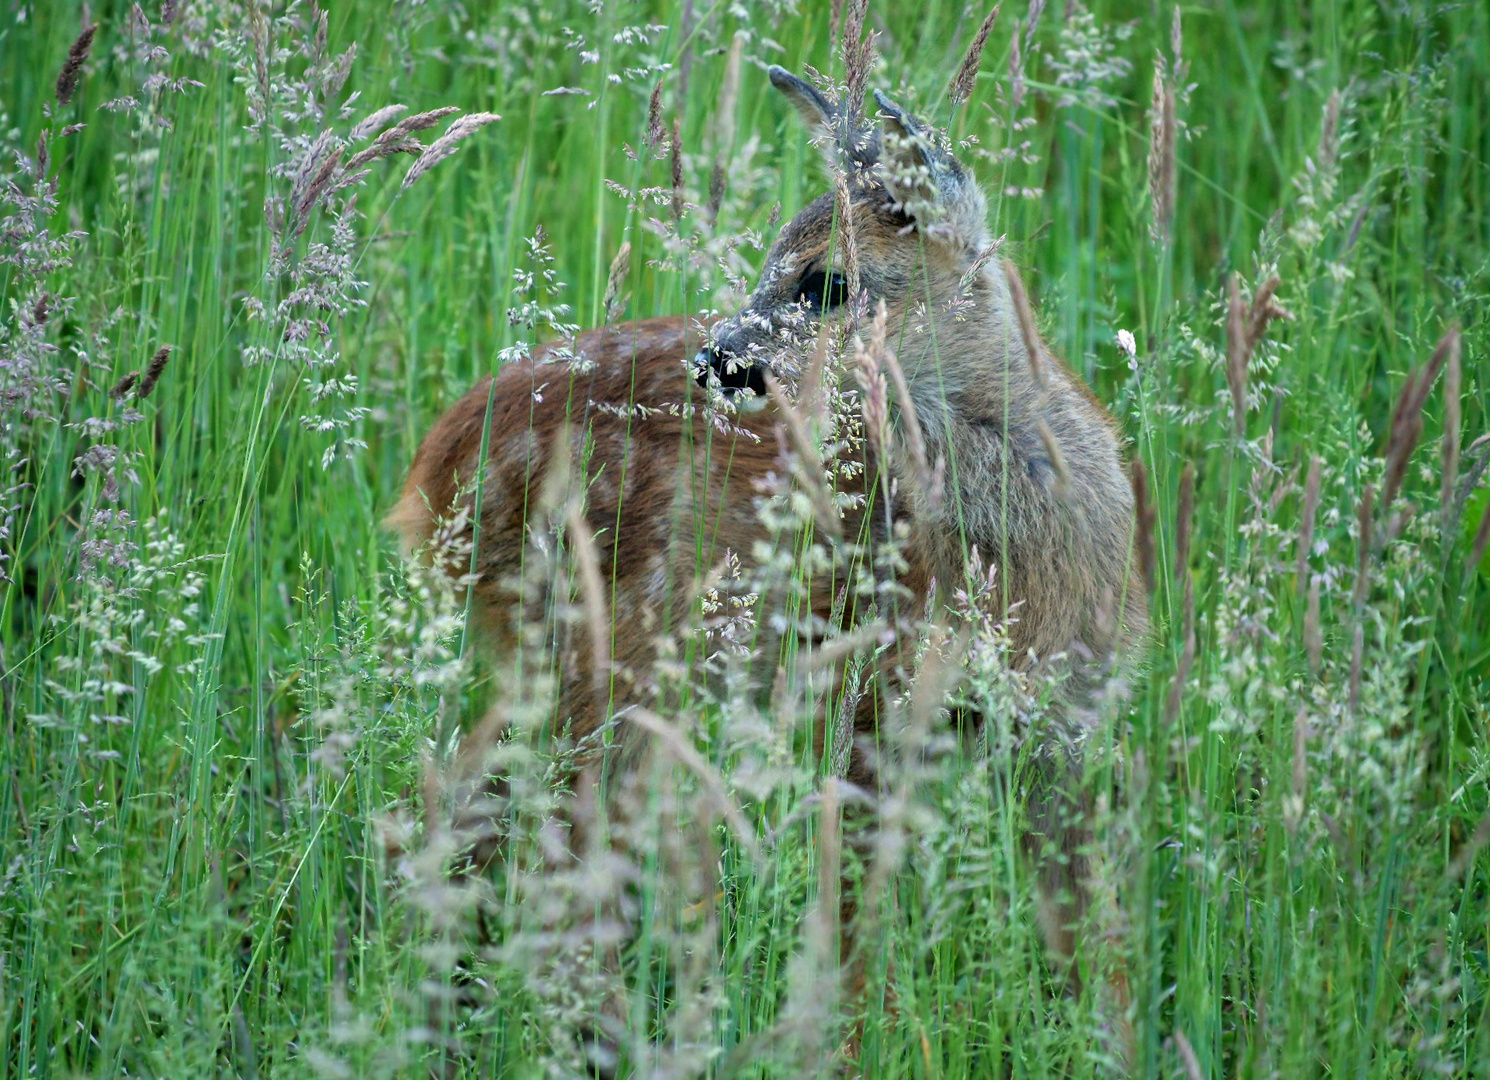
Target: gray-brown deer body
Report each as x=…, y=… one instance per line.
x=1055, y=519
x=1032, y=475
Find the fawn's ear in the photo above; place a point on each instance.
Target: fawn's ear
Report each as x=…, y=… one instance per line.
x=927, y=183
x=844, y=143
x=805, y=97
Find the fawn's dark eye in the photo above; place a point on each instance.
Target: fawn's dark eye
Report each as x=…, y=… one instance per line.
x=823, y=292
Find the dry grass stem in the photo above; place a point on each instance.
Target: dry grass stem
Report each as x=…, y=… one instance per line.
x=729, y=95
x=1301, y=755
x=1453, y=376
x=1357, y=658
x=1187, y=1056
x=681, y=749
x=1184, y=514
x=1363, y=547
x=810, y=396
x=592, y=592
x=1481, y=541
x=72, y=67
x=837, y=649
x=807, y=461
x=1313, y=635
x=1306, y=522
x=875, y=397
x=1362, y=590
x=1026, y=318
x=1056, y=455
x=1187, y=656
x=967, y=74
x=1466, y=856
x=915, y=442
x=1143, y=520
x=829, y=867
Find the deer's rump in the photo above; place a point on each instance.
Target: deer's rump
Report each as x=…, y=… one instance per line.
x=666, y=492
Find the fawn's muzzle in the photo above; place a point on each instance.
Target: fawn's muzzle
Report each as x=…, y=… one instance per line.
x=734, y=373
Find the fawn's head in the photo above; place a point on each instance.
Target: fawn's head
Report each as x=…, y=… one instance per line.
x=904, y=225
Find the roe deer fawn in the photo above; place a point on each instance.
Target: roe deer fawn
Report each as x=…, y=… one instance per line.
x=1034, y=478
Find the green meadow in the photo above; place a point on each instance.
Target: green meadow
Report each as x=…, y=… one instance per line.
x=231, y=709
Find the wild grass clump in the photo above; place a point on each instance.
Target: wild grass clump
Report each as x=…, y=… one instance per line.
x=248, y=252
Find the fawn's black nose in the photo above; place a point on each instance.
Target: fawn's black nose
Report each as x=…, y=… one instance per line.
x=734, y=374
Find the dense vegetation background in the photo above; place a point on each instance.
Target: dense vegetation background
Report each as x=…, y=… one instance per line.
x=218, y=703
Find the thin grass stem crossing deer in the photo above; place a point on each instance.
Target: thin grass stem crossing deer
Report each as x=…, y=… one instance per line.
x=654, y=455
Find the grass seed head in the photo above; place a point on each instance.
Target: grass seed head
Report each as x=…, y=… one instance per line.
x=396, y=139
x=656, y=134
x=1407, y=416
x=124, y=386
x=676, y=150
x=72, y=68
x=858, y=57
x=1245, y=327
x=1263, y=310
x=615, y=300
x=460, y=128
x=1236, y=354
x=153, y=371
x=1016, y=71
x=967, y=74
x=1162, y=129
x=364, y=128
x=1329, y=133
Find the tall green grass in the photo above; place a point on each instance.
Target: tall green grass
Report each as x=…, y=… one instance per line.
x=190, y=886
